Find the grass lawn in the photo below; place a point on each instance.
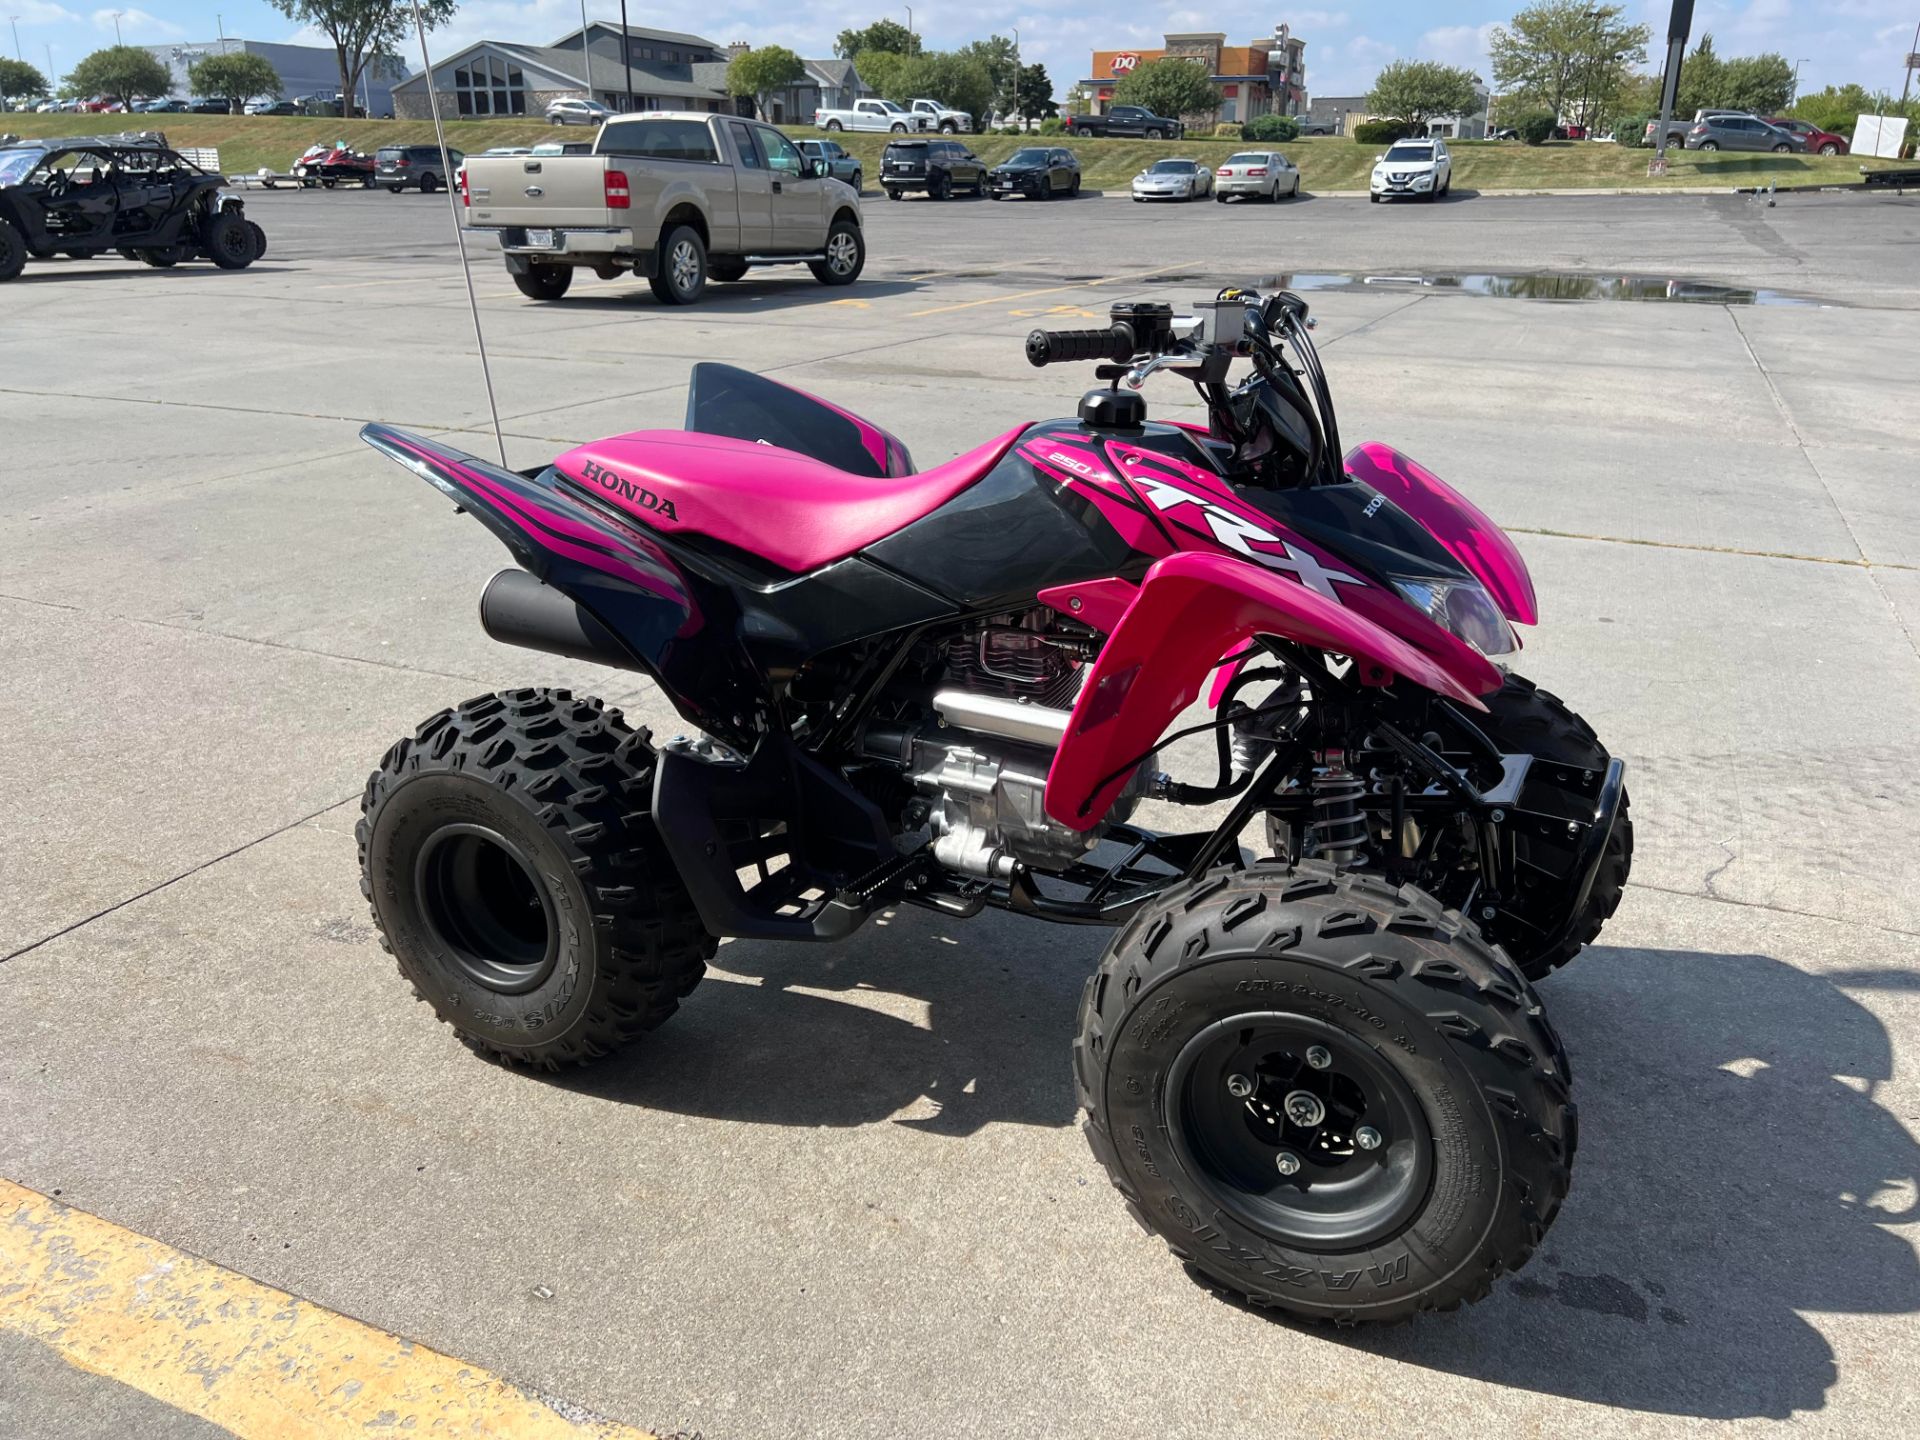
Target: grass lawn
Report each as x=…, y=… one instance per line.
x=248, y=142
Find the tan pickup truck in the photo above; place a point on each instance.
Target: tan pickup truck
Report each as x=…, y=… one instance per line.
x=677, y=198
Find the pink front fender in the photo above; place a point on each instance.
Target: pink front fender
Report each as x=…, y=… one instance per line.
x=1193, y=608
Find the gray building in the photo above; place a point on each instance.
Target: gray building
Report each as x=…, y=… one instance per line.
x=670, y=70
x=1332, y=111
x=303, y=70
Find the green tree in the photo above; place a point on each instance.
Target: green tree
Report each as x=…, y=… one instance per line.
x=1835, y=108
x=888, y=35
x=1422, y=90
x=1760, y=83
x=120, y=72
x=1701, y=78
x=1170, y=86
x=362, y=29
x=238, y=77
x=957, y=80
x=1559, y=52
x=995, y=56
x=883, y=70
x=1035, y=99
x=18, y=80
x=760, y=72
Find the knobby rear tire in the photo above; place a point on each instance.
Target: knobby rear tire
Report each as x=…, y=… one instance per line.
x=1397, y=980
x=568, y=784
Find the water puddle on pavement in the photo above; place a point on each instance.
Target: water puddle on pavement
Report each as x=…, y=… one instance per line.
x=1545, y=285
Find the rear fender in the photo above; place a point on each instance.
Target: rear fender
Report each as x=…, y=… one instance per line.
x=674, y=627
x=1193, y=607
x=726, y=400
x=1455, y=522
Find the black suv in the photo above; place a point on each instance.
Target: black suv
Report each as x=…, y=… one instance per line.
x=1038, y=172
x=395, y=167
x=938, y=167
x=86, y=197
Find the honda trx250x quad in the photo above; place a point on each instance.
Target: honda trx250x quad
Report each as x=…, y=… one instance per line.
x=1321, y=1076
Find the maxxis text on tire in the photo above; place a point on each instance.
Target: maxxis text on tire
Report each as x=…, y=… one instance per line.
x=561, y=785
x=544, y=282
x=1397, y=986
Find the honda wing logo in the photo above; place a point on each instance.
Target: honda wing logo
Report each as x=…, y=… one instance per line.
x=1240, y=534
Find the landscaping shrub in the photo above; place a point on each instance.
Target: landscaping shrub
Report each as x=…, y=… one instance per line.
x=1055, y=126
x=1537, y=128
x=1271, y=128
x=1631, y=131
x=1381, y=132
x=1227, y=131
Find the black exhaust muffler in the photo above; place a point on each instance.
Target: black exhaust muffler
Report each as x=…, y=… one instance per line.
x=518, y=609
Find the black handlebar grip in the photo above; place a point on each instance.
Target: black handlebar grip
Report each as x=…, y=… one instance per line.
x=1060, y=347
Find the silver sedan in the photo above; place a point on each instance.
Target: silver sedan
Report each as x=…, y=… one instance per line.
x=1173, y=180
x=1257, y=174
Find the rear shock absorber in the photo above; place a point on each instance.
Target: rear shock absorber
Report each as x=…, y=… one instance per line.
x=1339, y=829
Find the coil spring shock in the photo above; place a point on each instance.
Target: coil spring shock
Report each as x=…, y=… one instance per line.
x=1339, y=829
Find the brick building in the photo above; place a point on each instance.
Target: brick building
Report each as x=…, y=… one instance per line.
x=1262, y=77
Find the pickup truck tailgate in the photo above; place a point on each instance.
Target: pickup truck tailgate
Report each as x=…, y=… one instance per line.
x=546, y=191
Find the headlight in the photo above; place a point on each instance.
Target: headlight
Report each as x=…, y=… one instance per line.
x=1461, y=607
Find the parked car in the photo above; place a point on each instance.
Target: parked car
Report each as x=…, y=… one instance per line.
x=1037, y=172
x=1412, y=167
x=1507, y=132
x=396, y=167
x=1813, y=139
x=947, y=122
x=1173, y=180
x=1740, y=132
x=212, y=105
x=272, y=107
x=1317, y=127
x=1260, y=174
x=832, y=157
x=883, y=116
x=162, y=106
x=577, y=110
x=1127, y=121
x=635, y=205
x=84, y=198
x=938, y=167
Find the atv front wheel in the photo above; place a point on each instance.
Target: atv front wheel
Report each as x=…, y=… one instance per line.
x=514, y=870
x=1328, y=1096
x=229, y=243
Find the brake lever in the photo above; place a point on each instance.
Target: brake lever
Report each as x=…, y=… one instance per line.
x=1140, y=373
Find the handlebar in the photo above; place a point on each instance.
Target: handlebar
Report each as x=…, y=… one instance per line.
x=1115, y=344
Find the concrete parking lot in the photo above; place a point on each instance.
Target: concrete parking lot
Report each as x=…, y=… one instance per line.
x=843, y=1192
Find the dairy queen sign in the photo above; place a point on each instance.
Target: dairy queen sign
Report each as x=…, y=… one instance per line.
x=1125, y=62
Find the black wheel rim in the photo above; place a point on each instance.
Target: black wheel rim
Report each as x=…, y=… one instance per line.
x=481, y=896
x=1231, y=1139
x=236, y=241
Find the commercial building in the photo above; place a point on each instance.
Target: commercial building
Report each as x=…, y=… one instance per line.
x=666, y=69
x=1340, y=113
x=1262, y=77
x=304, y=70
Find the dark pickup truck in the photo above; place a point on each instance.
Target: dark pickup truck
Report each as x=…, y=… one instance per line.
x=1132, y=122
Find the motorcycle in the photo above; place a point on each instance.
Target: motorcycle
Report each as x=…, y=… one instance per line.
x=1320, y=1073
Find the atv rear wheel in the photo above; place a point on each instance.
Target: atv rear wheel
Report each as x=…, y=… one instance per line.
x=514, y=870
x=1328, y=1096
x=13, y=250
x=544, y=282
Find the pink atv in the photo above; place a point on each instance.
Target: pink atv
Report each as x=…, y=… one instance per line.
x=1323, y=1077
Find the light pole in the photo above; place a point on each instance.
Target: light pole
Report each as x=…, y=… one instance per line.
x=910, y=21
x=586, y=54
x=1019, y=112
x=626, y=51
x=116, y=26
x=1679, y=23
x=14, y=20
x=1796, y=74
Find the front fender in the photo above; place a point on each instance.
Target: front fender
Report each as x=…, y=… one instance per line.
x=1192, y=608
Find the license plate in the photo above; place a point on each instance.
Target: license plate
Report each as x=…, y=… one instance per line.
x=540, y=239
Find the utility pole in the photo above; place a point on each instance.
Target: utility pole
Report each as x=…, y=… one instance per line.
x=1679, y=23
x=586, y=54
x=626, y=51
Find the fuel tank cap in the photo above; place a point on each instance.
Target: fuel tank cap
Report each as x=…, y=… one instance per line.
x=1105, y=409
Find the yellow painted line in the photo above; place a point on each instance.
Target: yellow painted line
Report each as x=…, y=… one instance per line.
x=1049, y=290
x=367, y=284
x=255, y=1360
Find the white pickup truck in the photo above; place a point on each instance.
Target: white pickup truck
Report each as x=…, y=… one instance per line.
x=676, y=198
x=939, y=117
x=880, y=115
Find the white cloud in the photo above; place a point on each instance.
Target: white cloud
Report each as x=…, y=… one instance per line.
x=1462, y=45
x=42, y=12
x=136, y=25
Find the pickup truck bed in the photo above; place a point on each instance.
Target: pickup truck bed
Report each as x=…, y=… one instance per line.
x=677, y=198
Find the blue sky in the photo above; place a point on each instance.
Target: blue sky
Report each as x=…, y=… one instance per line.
x=1839, y=40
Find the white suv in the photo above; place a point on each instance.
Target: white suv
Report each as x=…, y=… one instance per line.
x=1412, y=167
